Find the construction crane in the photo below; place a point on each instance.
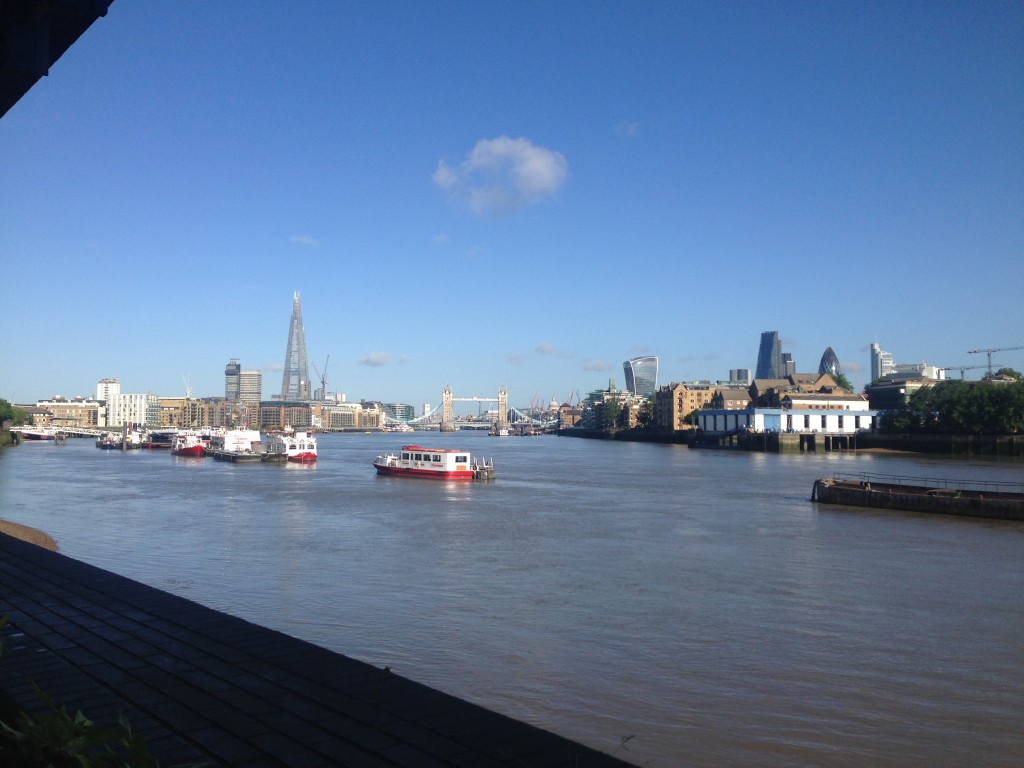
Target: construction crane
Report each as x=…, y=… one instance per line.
x=323, y=378
x=989, y=353
x=962, y=368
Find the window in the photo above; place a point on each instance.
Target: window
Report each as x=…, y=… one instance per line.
x=437, y=457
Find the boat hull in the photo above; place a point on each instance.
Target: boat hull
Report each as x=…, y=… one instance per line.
x=192, y=450
x=431, y=474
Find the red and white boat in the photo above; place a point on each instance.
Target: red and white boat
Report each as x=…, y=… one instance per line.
x=296, y=446
x=188, y=442
x=33, y=433
x=437, y=463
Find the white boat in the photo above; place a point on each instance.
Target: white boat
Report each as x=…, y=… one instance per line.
x=36, y=433
x=295, y=446
x=236, y=445
x=436, y=463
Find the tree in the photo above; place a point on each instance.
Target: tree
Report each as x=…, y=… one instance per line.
x=609, y=413
x=6, y=411
x=962, y=408
x=645, y=416
x=842, y=381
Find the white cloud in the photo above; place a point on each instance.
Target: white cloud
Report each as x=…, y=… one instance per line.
x=627, y=128
x=502, y=175
x=307, y=240
x=595, y=365
x=376, y=359
x=545, y=349
x=441, y=238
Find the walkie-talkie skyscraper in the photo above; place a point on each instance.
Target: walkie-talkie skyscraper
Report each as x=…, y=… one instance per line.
x=295, y=384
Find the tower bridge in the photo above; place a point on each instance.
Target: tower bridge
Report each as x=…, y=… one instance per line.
x=444, y=415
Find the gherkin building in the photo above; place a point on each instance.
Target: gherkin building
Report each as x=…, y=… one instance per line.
x=829, y=363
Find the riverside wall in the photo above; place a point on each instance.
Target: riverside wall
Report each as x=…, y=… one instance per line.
x=988, y=446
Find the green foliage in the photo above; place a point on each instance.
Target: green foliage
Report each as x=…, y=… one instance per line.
x=842, y=381
x=962, y=408
x=645, y=416
x=58, y=739
x=6, y=411
x=1010, y=372
x=609, y=413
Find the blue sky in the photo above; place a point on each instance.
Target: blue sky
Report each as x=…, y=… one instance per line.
x=483, y=194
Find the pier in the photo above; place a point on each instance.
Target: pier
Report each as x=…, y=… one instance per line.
x=205, y=687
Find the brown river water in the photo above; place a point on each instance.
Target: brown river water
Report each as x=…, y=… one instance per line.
x=674, y=607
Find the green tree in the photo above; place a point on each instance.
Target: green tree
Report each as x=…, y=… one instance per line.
x=6, y=411
x=609, y=413
x=645, y=416
x=962, y=408
x=843, y=382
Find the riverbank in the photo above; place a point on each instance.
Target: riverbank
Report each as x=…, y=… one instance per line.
x=982, y=446
x=26, y=533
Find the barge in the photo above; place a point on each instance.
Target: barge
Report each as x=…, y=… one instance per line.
x=998, y=501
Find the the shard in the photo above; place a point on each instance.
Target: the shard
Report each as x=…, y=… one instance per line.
x=295, y=384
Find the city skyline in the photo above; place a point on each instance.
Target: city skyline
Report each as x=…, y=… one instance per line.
x=526, y=214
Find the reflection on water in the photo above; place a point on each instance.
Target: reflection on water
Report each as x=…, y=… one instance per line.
x=669, y=605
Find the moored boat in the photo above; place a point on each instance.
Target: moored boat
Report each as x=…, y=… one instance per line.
x=1001, y=501
x=293, y=446
x=160, y=438
x=36, y=433
x=188, y=442
x=236, y=445
x=436, y=463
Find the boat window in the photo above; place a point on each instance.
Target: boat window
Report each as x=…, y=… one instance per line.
x=461, y=459
x=405, y=455
x=418, y=456
x=437, y=457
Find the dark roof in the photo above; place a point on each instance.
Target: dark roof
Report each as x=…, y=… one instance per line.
x=33, y=35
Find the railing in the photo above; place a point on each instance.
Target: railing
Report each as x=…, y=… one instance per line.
x=991, y=486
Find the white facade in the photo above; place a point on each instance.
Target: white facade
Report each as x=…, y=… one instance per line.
x=829, y=422
x=105, y=390
x=250, y=386
x=133, y=409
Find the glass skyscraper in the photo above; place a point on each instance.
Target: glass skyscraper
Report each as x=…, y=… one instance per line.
x=231, y=373
x=769, y=357
x=829, y=363
x=641, y=375
x=295, y=383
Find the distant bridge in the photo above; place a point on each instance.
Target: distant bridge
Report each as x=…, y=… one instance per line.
x=445, y=414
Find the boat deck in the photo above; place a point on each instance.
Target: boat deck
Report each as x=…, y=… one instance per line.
x=204, y=686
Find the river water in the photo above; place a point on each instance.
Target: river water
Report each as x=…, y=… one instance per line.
x=674, y=607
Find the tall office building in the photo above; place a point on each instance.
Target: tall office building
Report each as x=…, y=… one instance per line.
x=107, y=389
x=829, y=363
x=769, y=357
x=641, y=375
x=231, y=373
x=295, y=383
x=250, y=387
x=739, y=376
x=881, y=362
